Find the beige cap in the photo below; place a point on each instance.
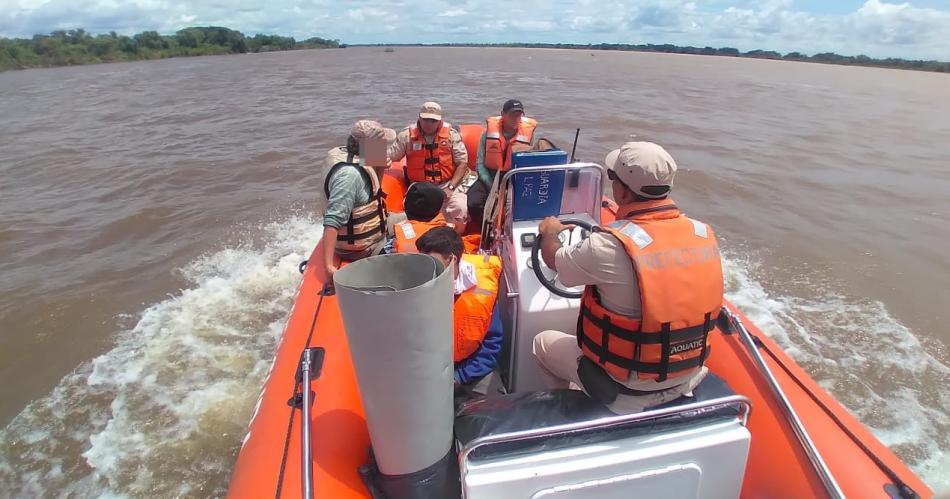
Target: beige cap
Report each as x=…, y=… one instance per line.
x=431, y=111
x=369, y=129
x=641, y=164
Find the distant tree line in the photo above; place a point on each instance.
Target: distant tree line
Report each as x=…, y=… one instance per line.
x=825, y=57
x=76, y=46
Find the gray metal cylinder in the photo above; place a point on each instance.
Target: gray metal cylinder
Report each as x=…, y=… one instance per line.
x=397, y=311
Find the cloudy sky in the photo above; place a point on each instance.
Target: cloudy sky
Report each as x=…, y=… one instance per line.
x=880, y=28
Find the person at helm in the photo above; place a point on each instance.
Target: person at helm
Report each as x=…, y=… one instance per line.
x=478, y=331
x=504, y=135
x=435, y=153
x=653, y=292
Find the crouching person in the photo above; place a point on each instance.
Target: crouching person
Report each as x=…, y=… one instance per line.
x=478, y=332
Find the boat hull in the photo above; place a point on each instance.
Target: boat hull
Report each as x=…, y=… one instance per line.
x=269, y=463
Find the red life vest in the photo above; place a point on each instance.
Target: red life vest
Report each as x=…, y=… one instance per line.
x=430, y=162
x=679, y=272
x=498, y=149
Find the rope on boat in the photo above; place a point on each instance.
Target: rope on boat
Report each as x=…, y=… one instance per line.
x=283, y=459
x=327, y=290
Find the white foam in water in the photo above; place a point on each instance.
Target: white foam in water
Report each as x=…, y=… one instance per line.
x=870, y=362
x=163, y=413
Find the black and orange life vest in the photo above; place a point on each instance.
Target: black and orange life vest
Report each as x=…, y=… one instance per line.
x=498, y=149
x=679, y=272
x=367, y=222
x=430, y=162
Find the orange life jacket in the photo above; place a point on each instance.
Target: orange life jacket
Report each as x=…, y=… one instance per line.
x=498, y=149
x=430, y=162
x=471, y=135
x=408, y=231
x=367, y=223
x=472, y=242
x=473, y=308
x=679, y=272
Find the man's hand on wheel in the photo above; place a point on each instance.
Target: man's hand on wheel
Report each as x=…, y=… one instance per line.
x=551, y=227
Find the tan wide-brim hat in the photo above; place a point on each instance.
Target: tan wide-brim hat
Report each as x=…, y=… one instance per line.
x=642, y=164
x=431, y=111
x=369, y=129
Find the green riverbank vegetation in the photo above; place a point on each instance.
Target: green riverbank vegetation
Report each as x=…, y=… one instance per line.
x=76, y=46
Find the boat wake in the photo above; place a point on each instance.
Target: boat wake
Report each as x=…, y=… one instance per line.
x=874, y=365
x=163, y=413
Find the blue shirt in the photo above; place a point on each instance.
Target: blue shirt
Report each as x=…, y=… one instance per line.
x=485, y=359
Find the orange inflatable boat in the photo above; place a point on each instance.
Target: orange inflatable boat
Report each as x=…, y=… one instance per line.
x=758, y=452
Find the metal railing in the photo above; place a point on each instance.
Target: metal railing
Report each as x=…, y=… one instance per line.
x=831, y=486
x=311, y=362
x=501, y=188
x=509, y=175
x=745, y=407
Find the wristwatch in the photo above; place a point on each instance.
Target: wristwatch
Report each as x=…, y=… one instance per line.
x=451, y=187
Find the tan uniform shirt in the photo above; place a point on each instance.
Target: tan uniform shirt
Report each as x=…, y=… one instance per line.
x=398, y=150
x=600, y=260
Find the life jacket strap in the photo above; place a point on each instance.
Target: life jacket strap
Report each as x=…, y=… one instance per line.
x=645, y=338
x=351, y=238
x=664, y=351
x=640, y=366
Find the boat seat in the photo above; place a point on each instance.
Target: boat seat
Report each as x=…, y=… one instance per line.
x=532, y=410
x=561, y=444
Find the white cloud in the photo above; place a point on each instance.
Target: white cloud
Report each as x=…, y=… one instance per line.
x=532, y=25
x=663, y=14
x=876, y=28
x=901, y=24
x=453, y=13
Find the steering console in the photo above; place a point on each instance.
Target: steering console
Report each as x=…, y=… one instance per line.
x=536, y=263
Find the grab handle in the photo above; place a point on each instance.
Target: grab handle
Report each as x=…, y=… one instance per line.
x=311, y=363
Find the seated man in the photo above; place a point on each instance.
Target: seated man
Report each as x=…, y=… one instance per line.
x=423, y=208
x=355, y=218
x=435, y=153
x=654, y=292
x=508, y=133
x=477, y=346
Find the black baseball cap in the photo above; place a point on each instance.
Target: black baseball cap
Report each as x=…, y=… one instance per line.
x=512, y=105
x=423, y=201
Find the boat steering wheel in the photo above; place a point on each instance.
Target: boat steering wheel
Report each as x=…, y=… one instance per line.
x=536, y=262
